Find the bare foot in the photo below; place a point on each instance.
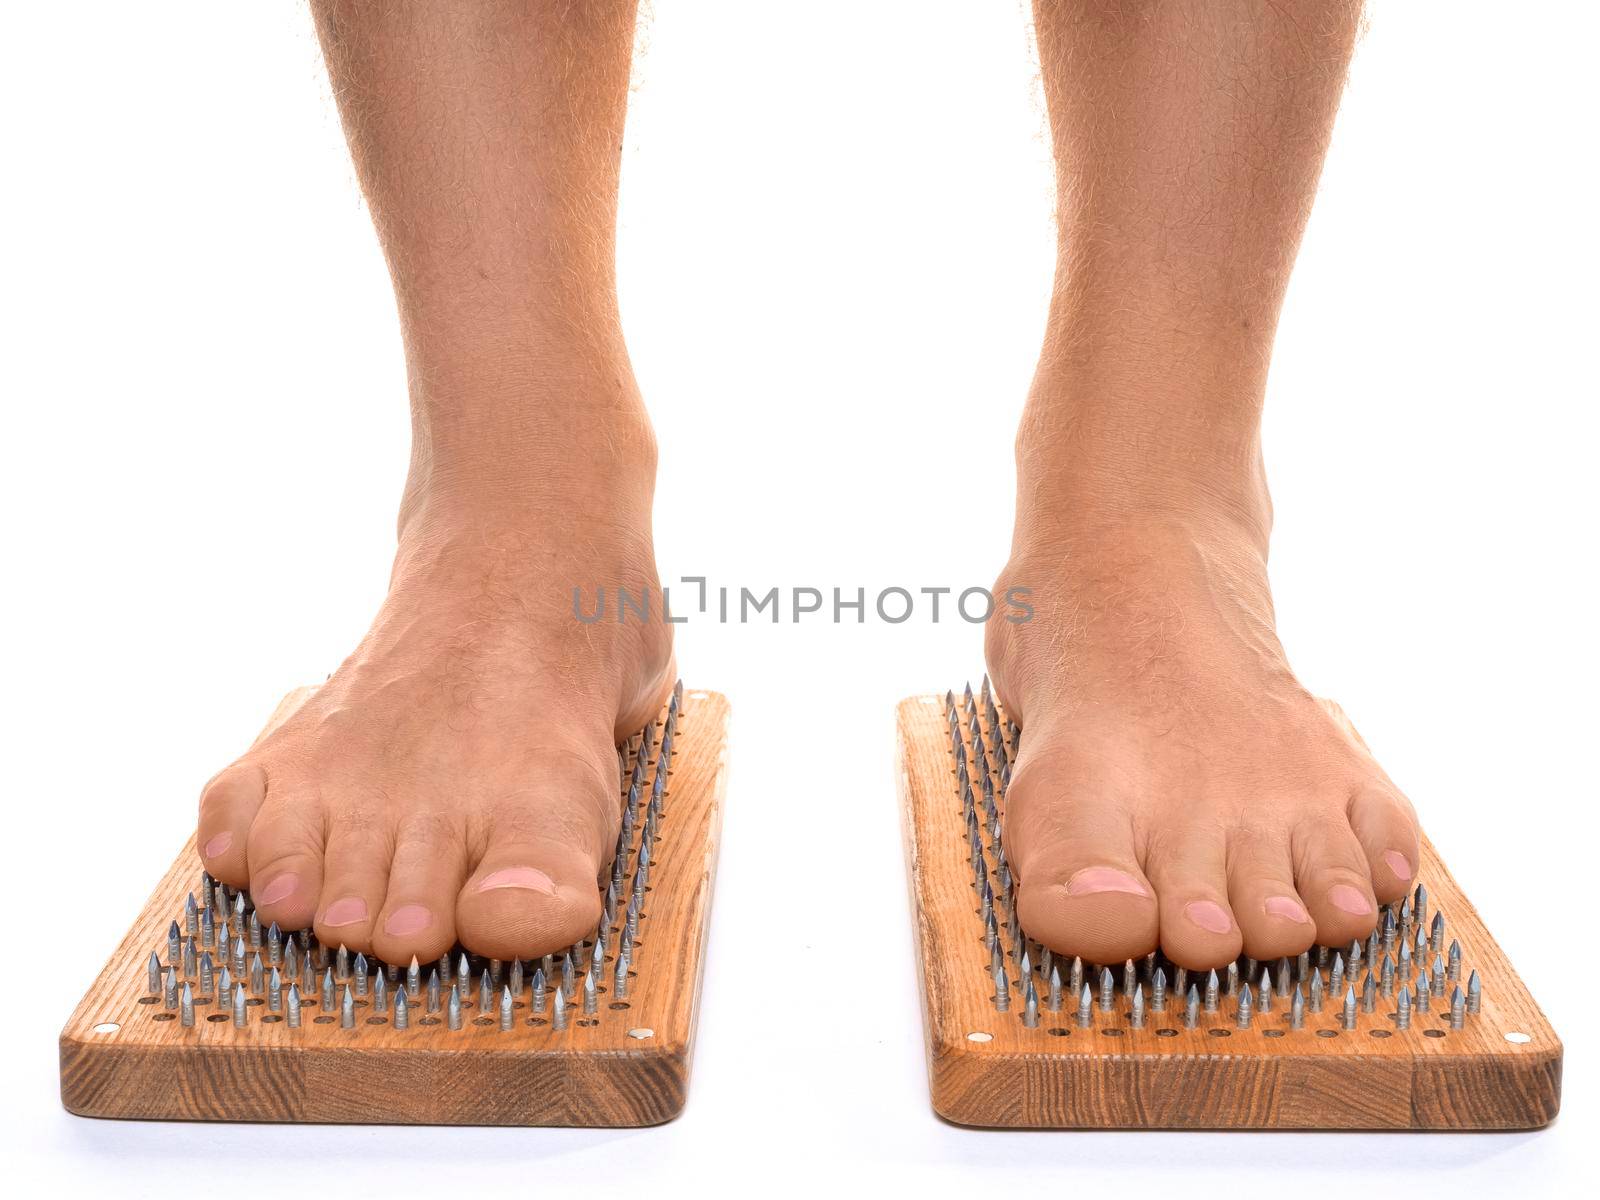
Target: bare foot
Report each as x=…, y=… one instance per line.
x=1176, y=784
x=456, y=778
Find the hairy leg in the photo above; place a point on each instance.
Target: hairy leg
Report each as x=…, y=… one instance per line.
x=1176, y=782
x=456, y=778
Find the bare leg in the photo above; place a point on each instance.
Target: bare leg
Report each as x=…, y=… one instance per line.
x=1175, y=779
x=457, y=776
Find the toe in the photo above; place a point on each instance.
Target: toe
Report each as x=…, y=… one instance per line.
x=1386, y=826
x=286, y=856
x=1081, y=890
x=355, y=881
x=228, y=805
x=534, y=888
x=1330, y=873
x=1273, y=918
x=418, y=915
x=1189, y=871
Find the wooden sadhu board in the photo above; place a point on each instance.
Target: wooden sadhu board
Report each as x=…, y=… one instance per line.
x=125, y=1053
x=1496, y=1068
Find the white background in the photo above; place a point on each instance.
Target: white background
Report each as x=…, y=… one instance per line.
x=835, y=256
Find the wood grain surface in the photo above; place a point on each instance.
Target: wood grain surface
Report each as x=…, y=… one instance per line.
x=124, y=1055
x=1502, y=1070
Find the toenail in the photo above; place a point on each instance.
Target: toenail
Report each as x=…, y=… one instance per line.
x=1398, y=863
x=278, y=889
x=1287, y=908
x=1350, y=899
x=217, y=845
x=1209, y=915
x=345, y=912
x=408, y=919
x=519, y=877
x=1103, y=879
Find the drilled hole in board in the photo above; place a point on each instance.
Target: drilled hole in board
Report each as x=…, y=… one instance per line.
x=149, y=999
x=1111, y=1033
x=1166, y=1033
x=377, y=1020
x=215, y=1017
x=483, y=1020
x=618, y=1005
x=1220, y=1033
x=424, y=1021
x=537, y=1021
x=271, y=1019
x=642, y=1034
x=165, y=1016
x=324, y=1020
x=1273, y=1033
x=1516, y=1037
x=112, y=1026
x=1327, y=1033
x=1057, y=1031
x=1381, y=1033
x=1433, y=1033
x=588, y=1022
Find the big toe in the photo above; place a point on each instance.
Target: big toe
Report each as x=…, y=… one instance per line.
x=1081, y=890
x=228, y=806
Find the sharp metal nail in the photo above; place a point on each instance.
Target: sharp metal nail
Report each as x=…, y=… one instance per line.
x=241, y=1011
x=1419, y=909
x=1386, y=979
x=1085, y=1008
x=253, y=929
x=1108, y=990
x=1283, y=979
x=208, y=929
x=591, y=1003
x=1158, y=991
x=1453, y=967
x=380, y=992
x=1053, y=1003
x=257, y=972
x=1353, y=956
x=1390, y=930
x=539, y=990
x=1474, y=993
x=291, y=958
x=1136, y=1007
x=152, y=971
x=1369, y=993
x=1374, y=945
x=464, y=975
x=1297, y=1008
x=191, y=916
x=1233, y=979
x=1264, y=992
x=342, y=963
x=292, y=1016
x=1336, y=975
x=207, y=971
x=169, y=988
x=514, y=981
x=1002, y=990
x=507, y=1006
x=347, y=1009
x=1436, y=934
x=174, y=944
x=1180, y=981
x=1404, y=969
x=360, y=968
x=1075, y=976
x=1302, y=967
x=1439, y=975
x=453, y=1010
x=1422, y=998
x=1030, y=1006
x=414, y=979
x=558, y=1011
x=1191, y=1008
x=1211, y=991
x=1130, y=979
x=485, y=991
x=1245, y=1007
x=327, y=990
x=1458, y=1007
x=433, y=990
x=274, y=991
x=274, y=945
x=186, y=1006
x=1315, y=997
x=1350, y=1007
x=1402, y=1014
x=402, y=1009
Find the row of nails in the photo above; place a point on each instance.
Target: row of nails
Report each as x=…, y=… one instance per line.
x=299, y=954
x=994, y=742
